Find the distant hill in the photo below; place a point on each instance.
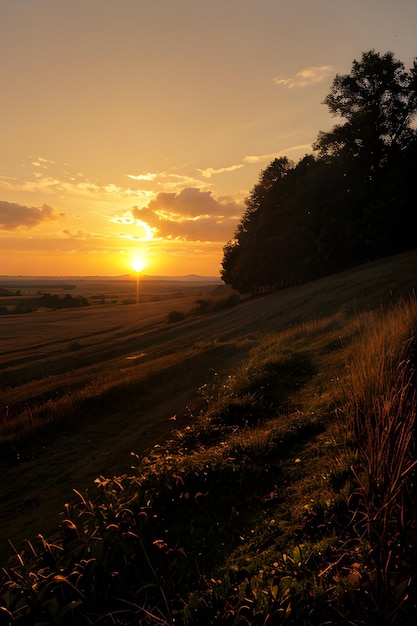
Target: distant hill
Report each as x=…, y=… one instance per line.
x=63, y=281
x=189, y=278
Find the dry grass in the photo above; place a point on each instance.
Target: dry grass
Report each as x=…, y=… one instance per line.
x=380, y=411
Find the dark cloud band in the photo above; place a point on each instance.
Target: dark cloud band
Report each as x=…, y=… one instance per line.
x=13, y=215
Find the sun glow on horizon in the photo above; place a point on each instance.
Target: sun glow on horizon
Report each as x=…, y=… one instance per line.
x=138, y=263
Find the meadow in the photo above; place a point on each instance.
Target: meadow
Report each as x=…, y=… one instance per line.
x=272, y=478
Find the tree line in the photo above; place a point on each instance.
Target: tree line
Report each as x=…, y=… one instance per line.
x=351, y=201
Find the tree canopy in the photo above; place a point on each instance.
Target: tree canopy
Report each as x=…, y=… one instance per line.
x=350, y=202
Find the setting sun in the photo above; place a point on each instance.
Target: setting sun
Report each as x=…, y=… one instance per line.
x=138, y=263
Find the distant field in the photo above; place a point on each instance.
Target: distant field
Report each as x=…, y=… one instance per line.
x=15, y=291
x=46, y=342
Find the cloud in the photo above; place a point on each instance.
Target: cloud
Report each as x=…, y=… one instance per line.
x=190, y=215
x=72, y=187
x=41, y=162
x=148, y=176
x=14, y=215
x=190, y=202
x=142, y=232
x=170, y=181
x=64, y=185
x=259, y=158
x=42, y=176
x=78, y=235
x=210, y=171
x=306, y=76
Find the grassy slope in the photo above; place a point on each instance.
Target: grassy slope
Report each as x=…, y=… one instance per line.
x=258, y=511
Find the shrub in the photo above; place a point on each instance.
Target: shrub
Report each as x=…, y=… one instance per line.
x=175, y=316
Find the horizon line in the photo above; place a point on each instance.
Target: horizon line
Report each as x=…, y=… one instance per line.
x=112, y=276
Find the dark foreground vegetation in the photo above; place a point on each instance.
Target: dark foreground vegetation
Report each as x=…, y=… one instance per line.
x=288, y=499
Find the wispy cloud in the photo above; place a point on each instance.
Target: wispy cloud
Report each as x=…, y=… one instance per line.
x=167, y=180
x=148, y=176
x=258, y=158
x=41, y=162
x=262, y=158
x=64, y=185
x=211, y=171
x=78, y=235
x=306, y=76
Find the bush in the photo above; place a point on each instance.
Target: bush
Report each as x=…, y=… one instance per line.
x=215, y=304
x=175, y=316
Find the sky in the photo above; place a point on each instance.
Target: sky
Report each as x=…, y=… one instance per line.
x=137, y=128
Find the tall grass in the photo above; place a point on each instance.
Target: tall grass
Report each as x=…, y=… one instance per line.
x=380, y=409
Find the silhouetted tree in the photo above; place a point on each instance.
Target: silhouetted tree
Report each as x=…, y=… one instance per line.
x=352, y=203
x=248, y=262
x=378, y=100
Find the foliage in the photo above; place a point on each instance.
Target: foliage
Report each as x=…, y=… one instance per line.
x=379, y=101
x=175, y=316
x=28, y=305
x=216, y=303
x=348, y=204
x=303, y=515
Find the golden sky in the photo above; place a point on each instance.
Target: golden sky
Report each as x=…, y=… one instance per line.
x=138, y=127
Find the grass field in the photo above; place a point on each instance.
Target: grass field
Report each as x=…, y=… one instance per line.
x=274, y=443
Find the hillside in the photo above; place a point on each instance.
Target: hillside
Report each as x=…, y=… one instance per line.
x=254, y=508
